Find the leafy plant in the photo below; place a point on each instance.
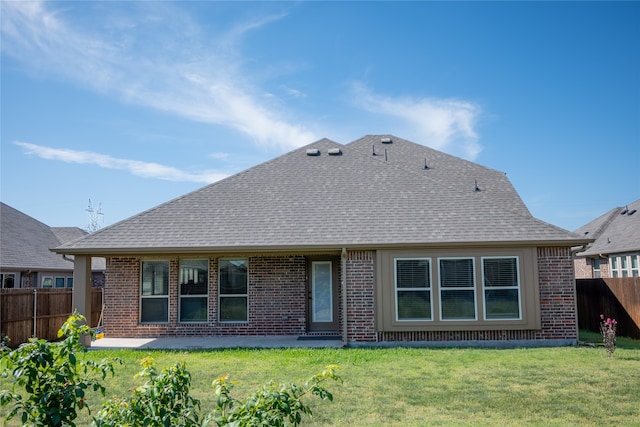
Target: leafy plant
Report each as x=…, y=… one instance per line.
x=274, y=405
x=52, y=376
x=163, y=400
x=608, y=330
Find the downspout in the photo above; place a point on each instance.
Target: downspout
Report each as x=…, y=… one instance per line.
x=345, y=338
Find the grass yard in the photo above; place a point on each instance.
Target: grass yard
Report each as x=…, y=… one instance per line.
x=417, y=387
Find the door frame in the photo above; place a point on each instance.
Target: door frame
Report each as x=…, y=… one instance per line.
x=334, y=325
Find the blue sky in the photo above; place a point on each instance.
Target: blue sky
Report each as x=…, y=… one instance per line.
x=131, y=104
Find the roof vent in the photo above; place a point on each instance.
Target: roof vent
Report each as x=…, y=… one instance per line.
x=624, y=211
x=386, y=140
x=476, y=188
x=334, y=152
x=631, y=212
x=313, y=152
x=425, y=164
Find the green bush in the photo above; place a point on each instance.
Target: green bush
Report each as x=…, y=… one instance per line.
x=163, y=400
x=53, y=378
x=275, y=405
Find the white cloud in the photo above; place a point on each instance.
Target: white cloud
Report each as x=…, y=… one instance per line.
x=160, y=61
x=444, y=124
x=135, y=167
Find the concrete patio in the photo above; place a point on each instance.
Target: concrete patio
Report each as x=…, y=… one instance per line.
x=186, y=343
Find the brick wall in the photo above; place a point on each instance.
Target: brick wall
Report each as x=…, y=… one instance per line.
x=277, y=288
x=360, y=296
x=277, y=301
x=557, y=294
x=583, y=268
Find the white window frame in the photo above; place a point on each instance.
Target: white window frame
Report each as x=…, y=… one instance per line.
x=187, y=296
x=160, y=296
x=474, y=288
x=621, y=265
x=517, y=287
x=428, y=289
x=635, y=269
x=221, y=295
x=48, y=280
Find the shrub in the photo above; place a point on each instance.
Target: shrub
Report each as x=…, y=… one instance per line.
x=275, y=405
x=52, y=377
x=163, y=400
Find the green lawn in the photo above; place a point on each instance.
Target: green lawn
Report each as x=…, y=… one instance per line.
x=417, y=387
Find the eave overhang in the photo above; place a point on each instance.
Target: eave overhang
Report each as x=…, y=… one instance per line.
x=105, y=252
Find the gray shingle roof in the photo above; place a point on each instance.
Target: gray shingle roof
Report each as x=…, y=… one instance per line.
x=347, y=200
x=25, y=243
x=614, y=232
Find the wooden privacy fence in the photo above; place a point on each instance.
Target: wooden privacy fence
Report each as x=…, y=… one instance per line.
x=617, y=298
x=25, y=313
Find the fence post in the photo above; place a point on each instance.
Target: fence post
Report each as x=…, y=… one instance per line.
x=35, y=310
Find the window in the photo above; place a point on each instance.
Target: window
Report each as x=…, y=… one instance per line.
x=8, y=280
x=413, y=289
x=194, y=275
x=614, y=266
x=47, y=282
x=501, y=286
x=69, y=282
x=234, y=284
x=596, y=268
x=457, y=289
x=59, y=282
x=154, y=304
x=624, y=265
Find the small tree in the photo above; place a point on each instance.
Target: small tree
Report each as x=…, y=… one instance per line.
x=52, y=377
x=608, y=330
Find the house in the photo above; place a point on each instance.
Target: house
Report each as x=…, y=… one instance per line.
x=379, y=240
x=615, y=251
x=25, y=257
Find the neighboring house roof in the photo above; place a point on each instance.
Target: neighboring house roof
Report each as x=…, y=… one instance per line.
x=349, y=200
x=616, y=231
x=25, y=243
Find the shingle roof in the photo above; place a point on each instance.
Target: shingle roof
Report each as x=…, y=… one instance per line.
x=347, y=200
x=614, y=232
x=25, y=243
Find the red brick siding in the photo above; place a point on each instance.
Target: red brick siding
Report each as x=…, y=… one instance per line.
x=277, y=301
x=277, y=287
x=360, y=296
x=557, y=294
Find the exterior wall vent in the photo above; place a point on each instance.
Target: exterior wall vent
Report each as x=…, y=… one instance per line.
x=334, y=152
x=386, y=140
x=313, y=152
